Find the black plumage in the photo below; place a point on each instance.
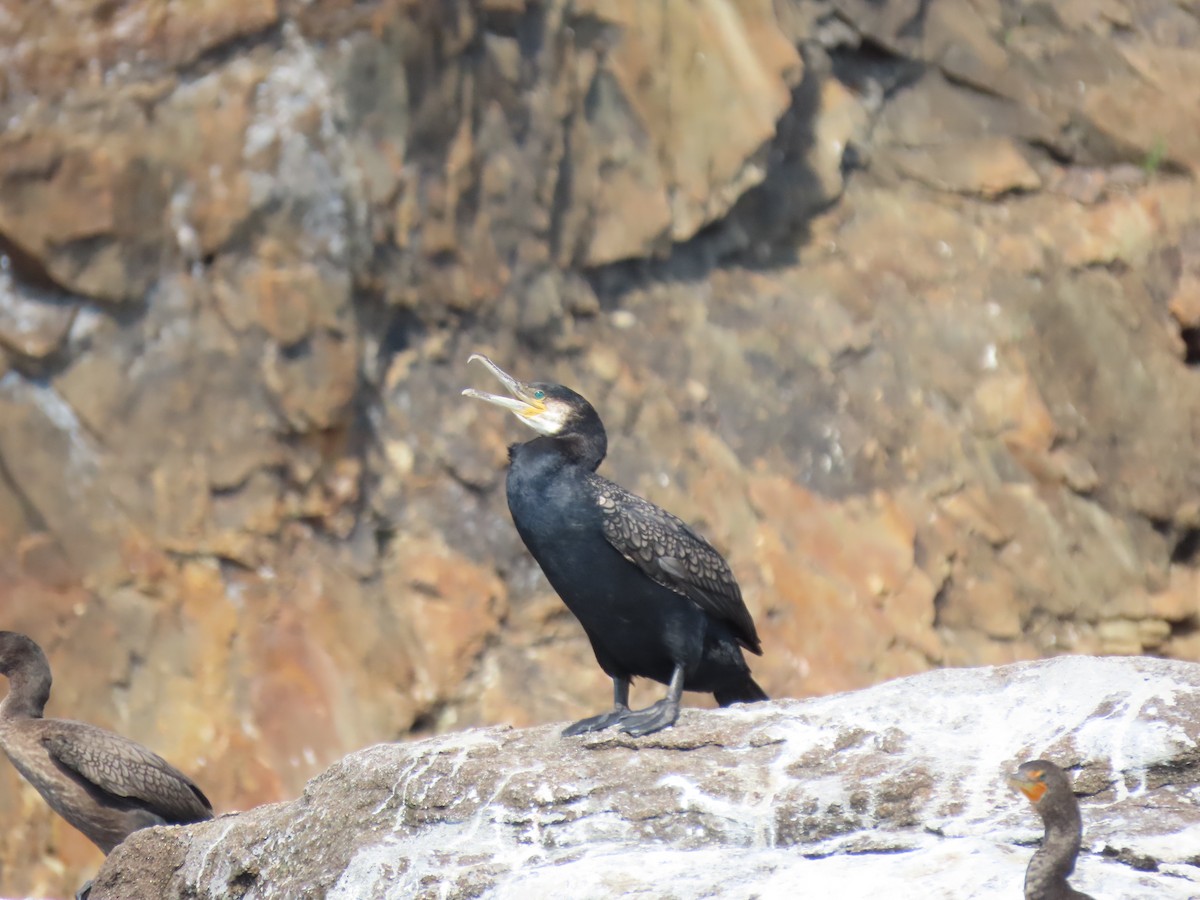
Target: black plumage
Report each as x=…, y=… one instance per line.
x=655, y=599
x=668, y=552
x=1049, y=790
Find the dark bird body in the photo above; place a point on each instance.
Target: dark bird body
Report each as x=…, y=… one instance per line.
x=103, y=784
x=1049, y=790
x=655, y=599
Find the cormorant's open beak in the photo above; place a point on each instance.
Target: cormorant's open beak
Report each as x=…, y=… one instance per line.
x=523, y=402
x=1034, y=790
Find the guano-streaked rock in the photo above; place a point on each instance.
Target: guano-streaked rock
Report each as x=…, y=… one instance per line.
x=897, y=788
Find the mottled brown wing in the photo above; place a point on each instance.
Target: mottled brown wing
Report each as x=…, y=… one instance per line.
x=670, y=553
x=127, y=769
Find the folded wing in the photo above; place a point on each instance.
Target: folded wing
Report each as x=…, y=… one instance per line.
x=124, y=768
x=671, y=554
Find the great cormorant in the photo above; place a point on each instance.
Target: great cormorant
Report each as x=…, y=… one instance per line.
x=655, y=599
x=1049, y=789
x=103, y=784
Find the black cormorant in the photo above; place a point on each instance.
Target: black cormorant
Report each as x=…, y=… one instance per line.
x=655, y=599
x=103, y=784
x=1049, y=789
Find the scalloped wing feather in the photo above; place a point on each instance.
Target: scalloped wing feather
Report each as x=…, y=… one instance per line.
x=126, y=769
x=671, y=554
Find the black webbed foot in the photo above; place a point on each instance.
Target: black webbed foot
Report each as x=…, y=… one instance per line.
x=651, y=719
x=597, y=723
x=84, y=892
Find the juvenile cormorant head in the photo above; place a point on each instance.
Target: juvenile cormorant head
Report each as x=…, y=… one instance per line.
x=25, y=665
x=549, y=409
x=17, y=652
x=1037, y=777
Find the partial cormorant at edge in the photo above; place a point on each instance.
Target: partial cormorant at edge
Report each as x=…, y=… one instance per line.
x=1049, y=790
x=655, y=599
x=103, y=784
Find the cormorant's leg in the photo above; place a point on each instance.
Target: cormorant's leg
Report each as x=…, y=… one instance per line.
x=84, y=892
x=659, y=715
x=605, y=720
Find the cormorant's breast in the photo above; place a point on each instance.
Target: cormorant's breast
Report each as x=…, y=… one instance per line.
x=549, y=497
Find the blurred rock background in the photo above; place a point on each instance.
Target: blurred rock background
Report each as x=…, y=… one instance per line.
x=898, y=302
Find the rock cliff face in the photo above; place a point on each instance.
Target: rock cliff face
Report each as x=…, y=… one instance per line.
x=898, y=302
x=896, y=789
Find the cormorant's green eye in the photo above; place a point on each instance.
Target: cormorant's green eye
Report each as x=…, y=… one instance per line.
x=539, y=395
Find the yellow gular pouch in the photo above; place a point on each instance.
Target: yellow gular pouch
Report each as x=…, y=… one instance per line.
x=535, y=405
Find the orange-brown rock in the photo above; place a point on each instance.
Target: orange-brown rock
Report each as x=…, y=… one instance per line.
x=895, y=301
x=48, y=50
x=682, y=104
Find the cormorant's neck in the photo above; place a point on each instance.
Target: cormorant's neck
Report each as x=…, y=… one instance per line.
x=1055, y=859
x=586, y=449
x=28, y=693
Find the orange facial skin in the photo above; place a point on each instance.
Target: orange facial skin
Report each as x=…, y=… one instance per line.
x=1032, y=786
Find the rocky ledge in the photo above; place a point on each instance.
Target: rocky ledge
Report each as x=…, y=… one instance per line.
x=899, y=787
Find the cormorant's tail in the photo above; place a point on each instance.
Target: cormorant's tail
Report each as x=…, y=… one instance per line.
x=744, y=691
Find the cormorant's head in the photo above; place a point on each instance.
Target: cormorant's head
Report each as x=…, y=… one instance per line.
x=1035, y=778
x=549, y=409
x=17, y=651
